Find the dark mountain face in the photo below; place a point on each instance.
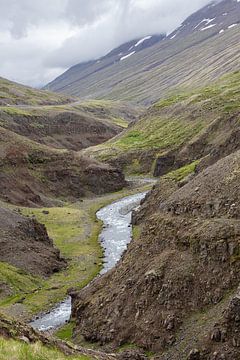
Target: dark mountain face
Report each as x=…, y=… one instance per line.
x=133, y=46
x=117, y=55
x=216, y=17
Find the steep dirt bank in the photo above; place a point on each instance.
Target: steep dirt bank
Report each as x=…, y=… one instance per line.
x=22, y=241
x=33, y=174
x=27, y=254
x=184, y=265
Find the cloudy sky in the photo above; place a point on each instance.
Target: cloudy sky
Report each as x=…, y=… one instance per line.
x=39, y=39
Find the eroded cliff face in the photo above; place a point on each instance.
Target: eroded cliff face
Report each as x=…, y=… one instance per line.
x=34, y=174
x=174, y=291
x=25, y=244
x=61, y=129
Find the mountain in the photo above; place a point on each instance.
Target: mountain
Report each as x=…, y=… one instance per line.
x=203, y=48
x=218, y=16
x=69, y=81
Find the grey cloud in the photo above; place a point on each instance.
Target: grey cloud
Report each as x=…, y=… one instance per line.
x=83, y=12
x=17, y=15
x=121, y=21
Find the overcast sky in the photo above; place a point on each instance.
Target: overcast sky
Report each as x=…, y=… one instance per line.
x=39, y=39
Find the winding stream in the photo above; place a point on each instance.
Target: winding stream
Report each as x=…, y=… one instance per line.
x=115, y=236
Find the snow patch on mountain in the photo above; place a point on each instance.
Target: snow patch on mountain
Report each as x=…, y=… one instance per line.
x=207, y=27
x=128, y=55
x=233, y=25
x=142, y=40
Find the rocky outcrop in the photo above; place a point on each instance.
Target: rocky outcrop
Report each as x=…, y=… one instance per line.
x=25, y=244
x=185, y=263
x=164, y=164
x=224, y=337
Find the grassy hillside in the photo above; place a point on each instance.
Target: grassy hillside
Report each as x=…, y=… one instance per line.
x=60, y=121
x=184, y=127
x=12, y=93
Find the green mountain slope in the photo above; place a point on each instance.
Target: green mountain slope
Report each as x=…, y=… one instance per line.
x=178, y=130
x=12, y=93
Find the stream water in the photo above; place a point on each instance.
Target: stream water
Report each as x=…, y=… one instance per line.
x=115, y=236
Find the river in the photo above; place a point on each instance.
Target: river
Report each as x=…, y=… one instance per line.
x=114, y=237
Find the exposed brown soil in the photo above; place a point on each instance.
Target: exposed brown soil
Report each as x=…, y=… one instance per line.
x=33, y=174
x=61, y=129
x=25, y=244
x=184, y=264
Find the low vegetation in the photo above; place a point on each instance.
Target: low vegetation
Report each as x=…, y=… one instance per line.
x=18, y=350
x=15, y=283
x=75, y=234
x=12, y=93
x=182, y=172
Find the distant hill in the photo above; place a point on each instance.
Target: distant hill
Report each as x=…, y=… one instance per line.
x=12, y=93
x=204, y=47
